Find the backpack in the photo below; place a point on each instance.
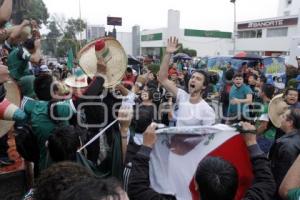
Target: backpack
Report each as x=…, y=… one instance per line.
x=224, y=96
x=26, y=143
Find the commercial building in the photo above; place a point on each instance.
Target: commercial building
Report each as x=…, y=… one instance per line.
x=94, y=31
x=152, y=42
x=205, y=42
x=272, y=36
x=269, y=37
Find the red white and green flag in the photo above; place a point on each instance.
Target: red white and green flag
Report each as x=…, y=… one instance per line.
x=178, y=151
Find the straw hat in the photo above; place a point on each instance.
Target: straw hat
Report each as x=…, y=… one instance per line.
x=116, y=60
x=78, y=80
x=277, y=107
x=13, y=96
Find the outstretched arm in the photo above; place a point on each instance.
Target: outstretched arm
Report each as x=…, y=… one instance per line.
x=263, y=186
x=16, y=31
x=172, y=46
x=125, y=117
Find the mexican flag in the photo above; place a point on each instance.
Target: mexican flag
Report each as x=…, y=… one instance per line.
x=178, y=151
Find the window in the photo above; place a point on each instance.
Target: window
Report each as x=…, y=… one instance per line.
x=259, y=33
x=250, y=34
x=286, y=13
x=288, y=2
x=277, y=32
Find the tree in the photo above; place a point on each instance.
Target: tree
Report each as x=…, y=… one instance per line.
x=62, y=36
x=190, y=52
x=65, y=44
x=69, y=40
x=29, y=9
x=74, y=26
x=49, y=45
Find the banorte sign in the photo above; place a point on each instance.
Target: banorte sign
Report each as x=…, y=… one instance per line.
x=266, y=24
x=269, y=23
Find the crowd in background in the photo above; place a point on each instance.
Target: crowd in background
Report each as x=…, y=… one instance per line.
x=116, y=164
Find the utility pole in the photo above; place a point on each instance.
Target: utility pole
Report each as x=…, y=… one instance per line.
x=80, y=34
x=234, y=27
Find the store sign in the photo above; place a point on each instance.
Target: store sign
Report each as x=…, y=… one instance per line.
x=204, y=33
x=152, y=37
x=268, y=24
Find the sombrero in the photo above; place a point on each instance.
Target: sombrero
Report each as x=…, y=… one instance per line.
x=277, y=107
x=9, y=106
x=78, y=80
x=114, y=57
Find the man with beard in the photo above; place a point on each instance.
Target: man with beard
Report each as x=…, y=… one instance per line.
x=192, y=108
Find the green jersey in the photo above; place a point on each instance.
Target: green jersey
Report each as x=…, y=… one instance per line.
x=271, y=131
x=41, y=122
x=18, y=61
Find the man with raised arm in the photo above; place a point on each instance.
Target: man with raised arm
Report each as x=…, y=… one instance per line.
x=192, y=108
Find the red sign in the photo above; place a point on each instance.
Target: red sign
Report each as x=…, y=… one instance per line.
x=269, y=23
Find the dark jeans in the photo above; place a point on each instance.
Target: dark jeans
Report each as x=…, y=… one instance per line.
x=224, y=112
x=3, y=146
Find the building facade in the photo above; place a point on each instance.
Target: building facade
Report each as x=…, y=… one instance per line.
x=288, y=7
x=205, y=42
x=136, y=42
x=125, y=38
x=267, y=37
x=94, y=31
x=273, y=36
x=152, y=42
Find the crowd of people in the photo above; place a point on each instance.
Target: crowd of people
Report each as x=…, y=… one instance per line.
x=88, y=142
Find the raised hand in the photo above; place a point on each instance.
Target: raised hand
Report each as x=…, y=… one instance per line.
x=25, y=22
x=125, y=116
x=172, y=45
x=250, y=138
x=149, y=135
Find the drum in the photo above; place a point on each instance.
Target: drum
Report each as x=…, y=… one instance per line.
x=116, y=66
x=277, y=107
x=9, y=106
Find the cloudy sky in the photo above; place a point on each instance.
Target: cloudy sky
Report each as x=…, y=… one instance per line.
x=196, y=14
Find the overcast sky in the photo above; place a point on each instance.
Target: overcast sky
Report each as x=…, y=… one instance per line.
x=150, y=14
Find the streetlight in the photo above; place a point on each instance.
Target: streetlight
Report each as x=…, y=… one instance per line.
x=234, y=26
